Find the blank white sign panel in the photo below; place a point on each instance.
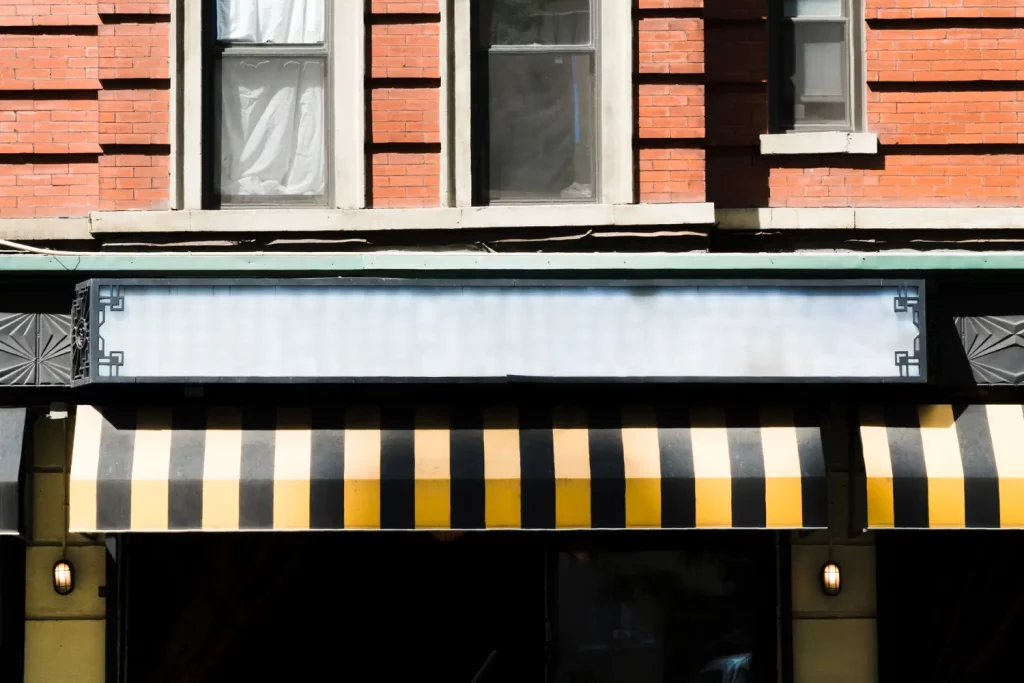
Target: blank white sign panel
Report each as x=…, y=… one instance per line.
x=401, y=331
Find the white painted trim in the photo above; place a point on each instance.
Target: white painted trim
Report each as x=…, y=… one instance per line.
x=870, y=219
x=447, y=104
x=826, y=142
x=348, y=62
x=175, y=107
x=192, y=106
x=462, y=54
x=615, y=92
x=327, y=220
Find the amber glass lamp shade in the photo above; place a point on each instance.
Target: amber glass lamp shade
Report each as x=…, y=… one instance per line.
x=63, y=577
x=831, y=579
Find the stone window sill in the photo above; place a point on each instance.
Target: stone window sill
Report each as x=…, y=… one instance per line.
x=825, y=142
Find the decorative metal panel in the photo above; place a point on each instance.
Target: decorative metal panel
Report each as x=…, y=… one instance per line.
x=35, y=349
x=994, y=345
x=486, y=330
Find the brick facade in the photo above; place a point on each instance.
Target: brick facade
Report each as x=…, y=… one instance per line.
x=85, y=99
x=84, y=107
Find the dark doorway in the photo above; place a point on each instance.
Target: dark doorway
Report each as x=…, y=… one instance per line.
x=351, y=606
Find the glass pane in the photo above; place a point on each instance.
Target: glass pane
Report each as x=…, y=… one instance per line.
x=541, y=127
x=814, y=8
x=649, y=617
x=535, y=22
x=297, y=22
x=273, y=129
x=819, y=75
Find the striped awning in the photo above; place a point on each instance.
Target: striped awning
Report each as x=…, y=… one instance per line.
x=944, y=466
x=12, y=434
x=209, y=469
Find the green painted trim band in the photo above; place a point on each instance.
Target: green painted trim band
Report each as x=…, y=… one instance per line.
x=384, y=262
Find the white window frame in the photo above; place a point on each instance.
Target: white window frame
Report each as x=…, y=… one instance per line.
x=346, y=107
x=856, y=77
x=614, y=156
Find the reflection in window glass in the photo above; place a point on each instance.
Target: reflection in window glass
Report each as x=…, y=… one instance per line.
x=655, y=617
x=819, y=77
x=541, y=126
x=536, y=22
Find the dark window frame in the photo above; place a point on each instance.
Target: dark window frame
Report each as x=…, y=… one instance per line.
x=782, y=48
x=214, y=53
x=480, y=119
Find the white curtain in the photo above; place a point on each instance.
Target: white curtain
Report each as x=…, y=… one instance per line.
x=272, y=127
x=271, y=21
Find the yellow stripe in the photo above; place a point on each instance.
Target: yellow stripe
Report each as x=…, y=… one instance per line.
x=642, y=460
x=362, y=468
x=1006, y=425
x=85, y=464
x=432, y=452
x=711, y=469
x=151, y=467
x=946, y=504
x=572, y=469
x=293, y=452
x=222, y=466
x=783, y=487
x=878, y=469
x=502, y=488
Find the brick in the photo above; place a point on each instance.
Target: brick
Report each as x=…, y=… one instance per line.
x=672, y=175
x=405, y=115
x=671, y=45
x=405, y=50
x=406, y=180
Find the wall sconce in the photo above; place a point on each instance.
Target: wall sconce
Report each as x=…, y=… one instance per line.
x=831, y=579
x=63, y=577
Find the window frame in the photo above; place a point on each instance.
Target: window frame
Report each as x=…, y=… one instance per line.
x=215, y=52
x=781, y=49
x=480, y=118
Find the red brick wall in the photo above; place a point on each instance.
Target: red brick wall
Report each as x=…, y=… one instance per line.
x=404, y=104
x=670, y=100
x=945, y=86
x=75, y=135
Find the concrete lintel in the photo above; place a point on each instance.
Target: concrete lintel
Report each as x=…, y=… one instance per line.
x=842, y=218
x=33, y=229
x=824, y=142
x=786, y=219
x=940, y=219
x=359, y=220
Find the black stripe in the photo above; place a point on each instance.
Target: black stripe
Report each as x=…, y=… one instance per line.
x=746, y=463
x=909, y=474
x=397, y=469
x=327, y=469
x=607, y=469
x=981, y=477
x=114, y=476
x=256, y=488
x=185, y=483
x=813, y=484
x=537, y=468
x=467, y=469
x=675, y=448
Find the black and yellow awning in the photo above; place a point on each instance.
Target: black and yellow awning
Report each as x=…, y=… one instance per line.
x=944, y=466
x=209, y=469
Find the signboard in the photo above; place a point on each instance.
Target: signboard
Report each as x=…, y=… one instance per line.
x=417, y=330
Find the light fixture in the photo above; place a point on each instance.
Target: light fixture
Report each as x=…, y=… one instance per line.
x=831, y=579
x=63, y=577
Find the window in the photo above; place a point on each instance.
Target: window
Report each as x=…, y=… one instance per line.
x=818, y=63
x=270, y=95
x=534, y=97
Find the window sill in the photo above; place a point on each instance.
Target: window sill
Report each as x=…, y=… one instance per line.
x=341, y=220
x=825, y=142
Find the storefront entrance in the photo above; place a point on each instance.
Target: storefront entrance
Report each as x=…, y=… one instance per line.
x=590, y=608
